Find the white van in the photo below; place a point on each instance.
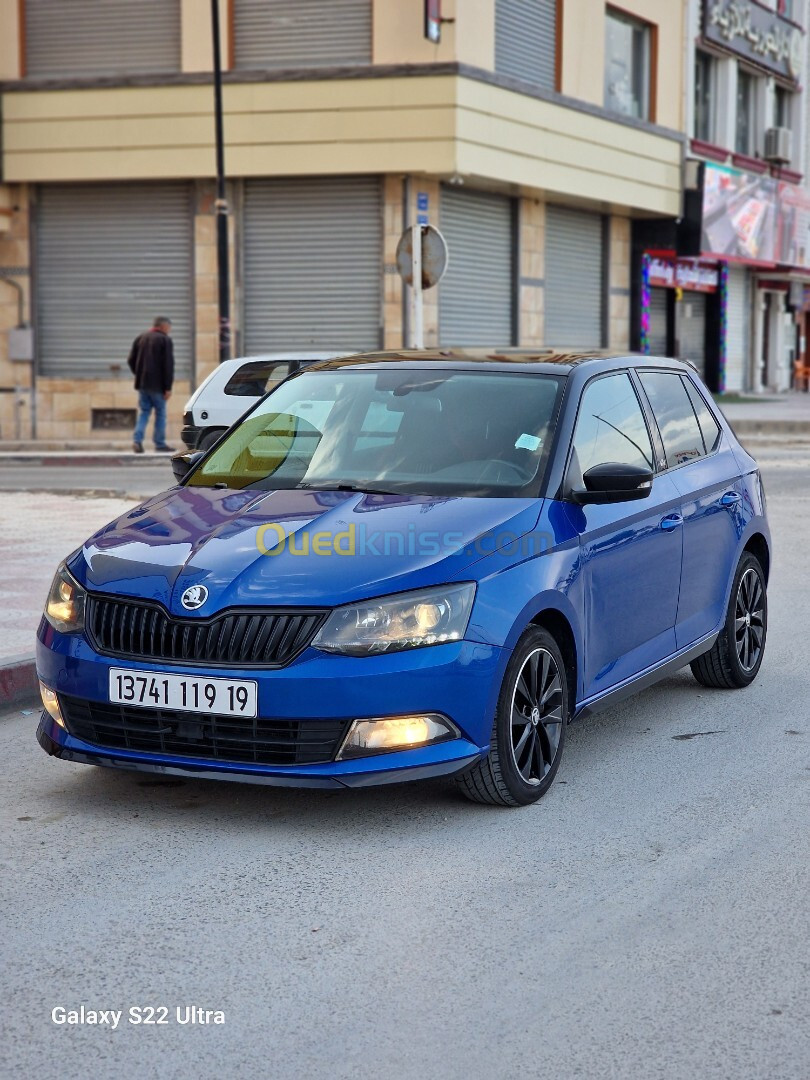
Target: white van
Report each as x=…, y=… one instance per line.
x=232, y=387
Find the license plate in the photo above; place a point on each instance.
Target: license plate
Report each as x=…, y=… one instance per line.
x=158, y=690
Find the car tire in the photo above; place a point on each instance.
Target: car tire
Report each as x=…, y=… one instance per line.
x=735, y=658
x=524, y=757
x=208, y=439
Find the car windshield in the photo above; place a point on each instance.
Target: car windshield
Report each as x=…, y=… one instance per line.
x=401, y=431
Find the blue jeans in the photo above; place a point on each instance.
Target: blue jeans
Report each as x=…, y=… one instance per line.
x=147, y=401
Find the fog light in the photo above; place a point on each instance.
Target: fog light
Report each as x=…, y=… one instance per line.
x=51, y=704
x=384, y=734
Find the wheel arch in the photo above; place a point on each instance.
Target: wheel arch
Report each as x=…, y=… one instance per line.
x=553, y=620
x=758, y=546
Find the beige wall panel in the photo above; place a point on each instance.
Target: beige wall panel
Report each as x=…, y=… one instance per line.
x=398, y=34
x=196, y=50
x=437, y=125
x=541, y=146
x=9, y=39
x=553, y=149
x=565, y=184
x=583, y=50
x=257, y=129
x=475, y=33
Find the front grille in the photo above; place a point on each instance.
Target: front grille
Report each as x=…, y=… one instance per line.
x=131, y=629
x=221, y=738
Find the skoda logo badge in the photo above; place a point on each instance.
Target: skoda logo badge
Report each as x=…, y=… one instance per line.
x=194, y=597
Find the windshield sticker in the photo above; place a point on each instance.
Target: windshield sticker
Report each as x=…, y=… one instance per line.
x=527, y=442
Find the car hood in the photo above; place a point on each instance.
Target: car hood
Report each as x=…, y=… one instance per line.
x=325, y=547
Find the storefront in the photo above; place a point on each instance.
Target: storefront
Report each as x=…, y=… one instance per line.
x=683, y=312
x=725, y=294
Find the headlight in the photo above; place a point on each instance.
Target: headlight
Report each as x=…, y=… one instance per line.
x=408, y=621
x=64, y=609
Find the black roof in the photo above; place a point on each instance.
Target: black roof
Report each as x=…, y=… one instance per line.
x=551, y=361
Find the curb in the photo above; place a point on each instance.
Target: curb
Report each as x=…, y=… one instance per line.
x=12, y=457
x=770, y=427
x=18, y=682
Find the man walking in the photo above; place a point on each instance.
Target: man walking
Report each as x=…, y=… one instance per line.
x=151, y=360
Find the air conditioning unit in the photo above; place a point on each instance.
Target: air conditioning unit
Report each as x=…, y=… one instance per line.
x=779, y=145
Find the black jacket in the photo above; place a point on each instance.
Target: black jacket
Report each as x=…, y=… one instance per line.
x=151, y=360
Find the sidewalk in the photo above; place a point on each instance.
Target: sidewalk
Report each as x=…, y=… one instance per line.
x=768, y=414
x=36, y=532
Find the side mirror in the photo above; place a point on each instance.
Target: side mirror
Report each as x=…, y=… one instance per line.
x=183, y=463
x=615, y=483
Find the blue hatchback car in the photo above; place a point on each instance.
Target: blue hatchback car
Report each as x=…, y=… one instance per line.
x=407, y=565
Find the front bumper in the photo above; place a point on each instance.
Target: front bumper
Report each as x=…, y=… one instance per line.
x=459, y=680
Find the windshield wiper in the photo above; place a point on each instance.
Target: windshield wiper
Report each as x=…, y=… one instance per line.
x=361, y=489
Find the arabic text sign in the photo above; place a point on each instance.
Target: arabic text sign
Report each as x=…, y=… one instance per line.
x=755, y=33
x=683, y=273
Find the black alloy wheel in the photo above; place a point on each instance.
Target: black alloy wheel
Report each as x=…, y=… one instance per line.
x=736, y=656
x=528, y=733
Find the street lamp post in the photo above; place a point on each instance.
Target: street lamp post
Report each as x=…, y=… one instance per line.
x=221, y=201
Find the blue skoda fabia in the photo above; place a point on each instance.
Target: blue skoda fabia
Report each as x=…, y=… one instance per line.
x=406, y=565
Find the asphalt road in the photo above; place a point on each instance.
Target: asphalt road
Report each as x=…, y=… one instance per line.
x=141, y=481
x=648, y=919
x=121, y=480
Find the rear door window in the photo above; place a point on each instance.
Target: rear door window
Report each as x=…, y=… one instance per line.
x=256, y=378
x=674, y=415
x=709, y=428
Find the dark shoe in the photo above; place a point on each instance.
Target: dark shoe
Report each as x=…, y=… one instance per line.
x=137, y=447
x=165, y=449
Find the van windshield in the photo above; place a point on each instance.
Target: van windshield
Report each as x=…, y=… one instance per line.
x=400, y=431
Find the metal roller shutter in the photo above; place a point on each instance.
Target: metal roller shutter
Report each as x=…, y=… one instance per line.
x=313, y=264
x=109, y=259
x=737, y=328
x=301, y=33
x=574, y=286
x=116, y=37
x=658, y=322
x=526, y=40
x=692, y=329
x=476, y=295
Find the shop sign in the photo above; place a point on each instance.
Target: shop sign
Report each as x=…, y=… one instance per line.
x=683, y=274
x=756, y=34
x=754, y=218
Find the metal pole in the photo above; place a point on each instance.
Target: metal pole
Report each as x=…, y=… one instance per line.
x=416, y=323
x=221, y=201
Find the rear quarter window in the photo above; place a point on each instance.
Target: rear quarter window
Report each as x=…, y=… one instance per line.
x=709, y=428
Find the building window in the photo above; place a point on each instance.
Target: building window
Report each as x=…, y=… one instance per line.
x=704, y=97
x=627, y=66
x=745, y=141
x=782, y=101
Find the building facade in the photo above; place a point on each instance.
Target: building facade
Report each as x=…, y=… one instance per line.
x=535, y=134
x=726, y=285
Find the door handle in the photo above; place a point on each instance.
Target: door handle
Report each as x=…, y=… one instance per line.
x=731, y=498
x=672, y=521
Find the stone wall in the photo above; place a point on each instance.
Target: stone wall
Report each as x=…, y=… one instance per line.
x=532, y=241
x=15, y=409
x=619, y=284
